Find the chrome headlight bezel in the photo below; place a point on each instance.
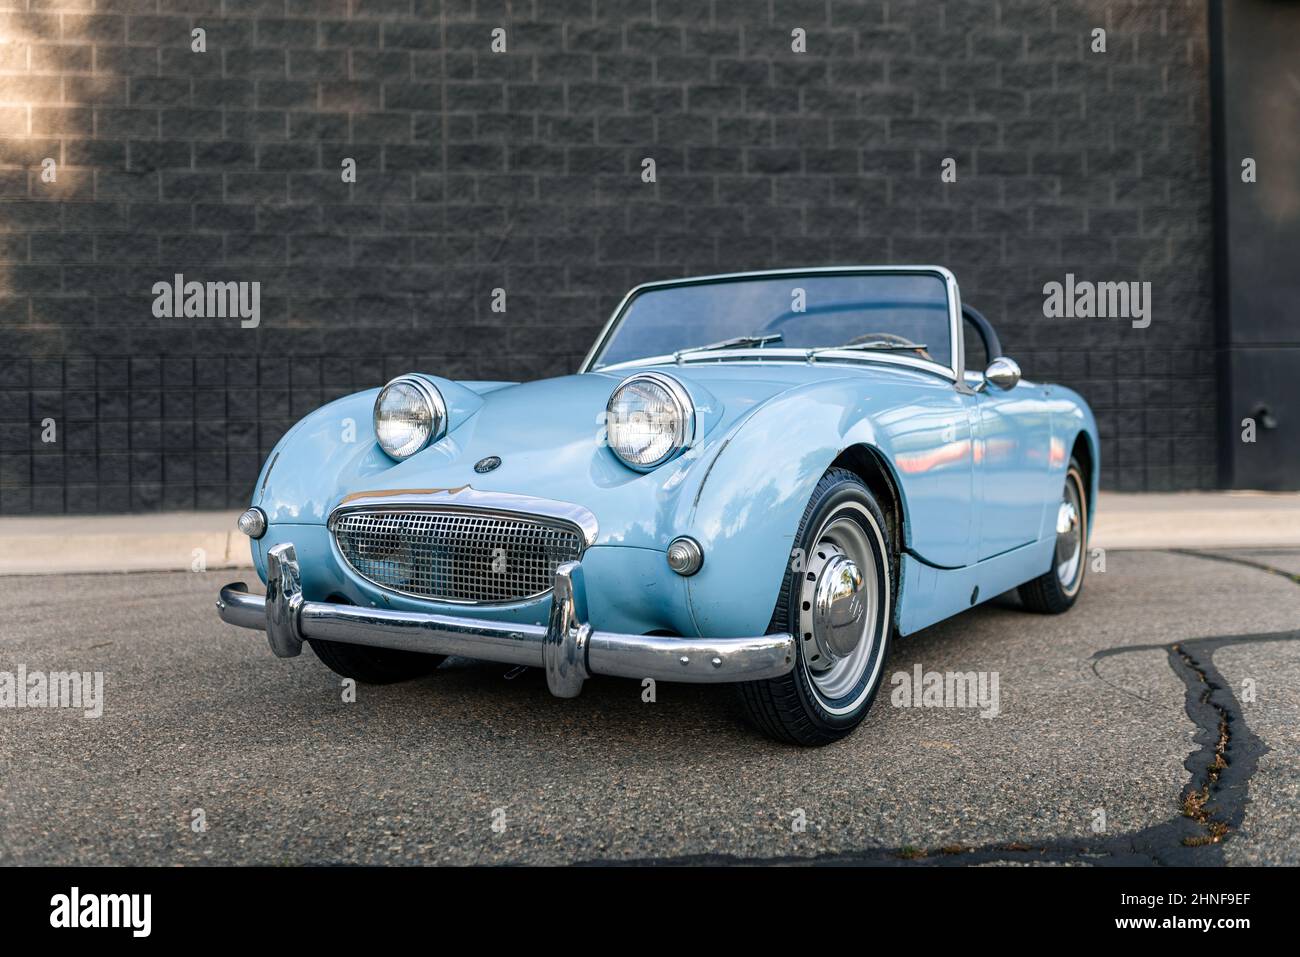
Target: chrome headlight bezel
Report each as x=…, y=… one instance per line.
x=683, y=432
x=434, y=404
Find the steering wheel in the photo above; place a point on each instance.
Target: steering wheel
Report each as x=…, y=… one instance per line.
x=889, y=337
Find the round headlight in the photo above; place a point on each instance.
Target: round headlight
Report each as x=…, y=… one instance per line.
x=409, y=414
x=649, y=419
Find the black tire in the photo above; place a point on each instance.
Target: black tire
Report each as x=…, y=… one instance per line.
x=373, y=666
x=1048, y=594
x=791, y=708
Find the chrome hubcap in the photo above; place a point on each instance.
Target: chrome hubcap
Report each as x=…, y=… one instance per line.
x=837, y=607
x=1069, y=535
x=839, y=604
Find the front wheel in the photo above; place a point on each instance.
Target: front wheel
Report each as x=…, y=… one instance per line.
x=837, y=600
x=373, y=666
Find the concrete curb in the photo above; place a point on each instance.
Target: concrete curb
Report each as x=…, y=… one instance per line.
x=1197, y=520
x=175, y=541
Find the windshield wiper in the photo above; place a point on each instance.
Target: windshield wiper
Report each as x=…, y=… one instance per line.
x=736, y=343
x=869, y=347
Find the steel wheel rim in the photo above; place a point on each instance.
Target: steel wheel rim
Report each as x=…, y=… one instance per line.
x=842, y=535
x=1070, y=518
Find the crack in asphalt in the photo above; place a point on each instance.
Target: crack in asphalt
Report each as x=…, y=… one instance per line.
x=1236, y=560
x=1213, y=800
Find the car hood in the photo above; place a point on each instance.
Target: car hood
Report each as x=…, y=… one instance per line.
x=548, y=435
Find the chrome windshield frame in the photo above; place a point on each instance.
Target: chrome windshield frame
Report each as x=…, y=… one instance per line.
x=952, y=372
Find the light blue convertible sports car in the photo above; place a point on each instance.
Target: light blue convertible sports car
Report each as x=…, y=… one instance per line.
x=757, y=479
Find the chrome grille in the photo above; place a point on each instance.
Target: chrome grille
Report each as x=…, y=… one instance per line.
x=456, y=555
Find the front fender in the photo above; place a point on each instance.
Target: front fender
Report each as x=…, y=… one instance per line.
x=337, y=439
x=745, y=508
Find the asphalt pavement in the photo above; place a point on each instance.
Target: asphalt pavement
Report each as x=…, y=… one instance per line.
x=1154, y=723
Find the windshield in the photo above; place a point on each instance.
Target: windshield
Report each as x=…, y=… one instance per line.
x=902, y=313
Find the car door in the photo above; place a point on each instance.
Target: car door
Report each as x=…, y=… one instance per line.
x=931, y=440
x=1013, y=437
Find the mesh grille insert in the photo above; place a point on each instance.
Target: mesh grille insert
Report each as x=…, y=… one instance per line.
x=456, y=555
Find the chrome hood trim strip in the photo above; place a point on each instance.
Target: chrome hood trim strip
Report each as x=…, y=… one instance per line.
x=471, y=499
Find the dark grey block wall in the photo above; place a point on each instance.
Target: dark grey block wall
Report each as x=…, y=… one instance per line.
x=521, y=170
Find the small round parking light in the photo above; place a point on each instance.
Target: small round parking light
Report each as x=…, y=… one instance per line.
x=685, y=555
x=253, y=522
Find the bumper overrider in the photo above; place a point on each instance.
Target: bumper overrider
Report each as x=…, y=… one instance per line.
x=568, y=647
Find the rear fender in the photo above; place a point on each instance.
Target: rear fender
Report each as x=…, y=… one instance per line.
x=1071, y=418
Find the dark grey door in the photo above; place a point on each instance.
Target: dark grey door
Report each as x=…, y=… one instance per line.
x=1256, y=97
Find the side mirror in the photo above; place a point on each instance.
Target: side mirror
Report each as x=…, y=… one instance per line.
x=1003, y=372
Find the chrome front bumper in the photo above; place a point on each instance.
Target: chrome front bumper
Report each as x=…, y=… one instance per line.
x=568, y=647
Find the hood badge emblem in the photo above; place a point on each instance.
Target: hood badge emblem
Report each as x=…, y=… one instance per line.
x=487, y=464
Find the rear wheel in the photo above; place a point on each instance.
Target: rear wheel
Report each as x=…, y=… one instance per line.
x=837, y=600
x=1057, y=589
